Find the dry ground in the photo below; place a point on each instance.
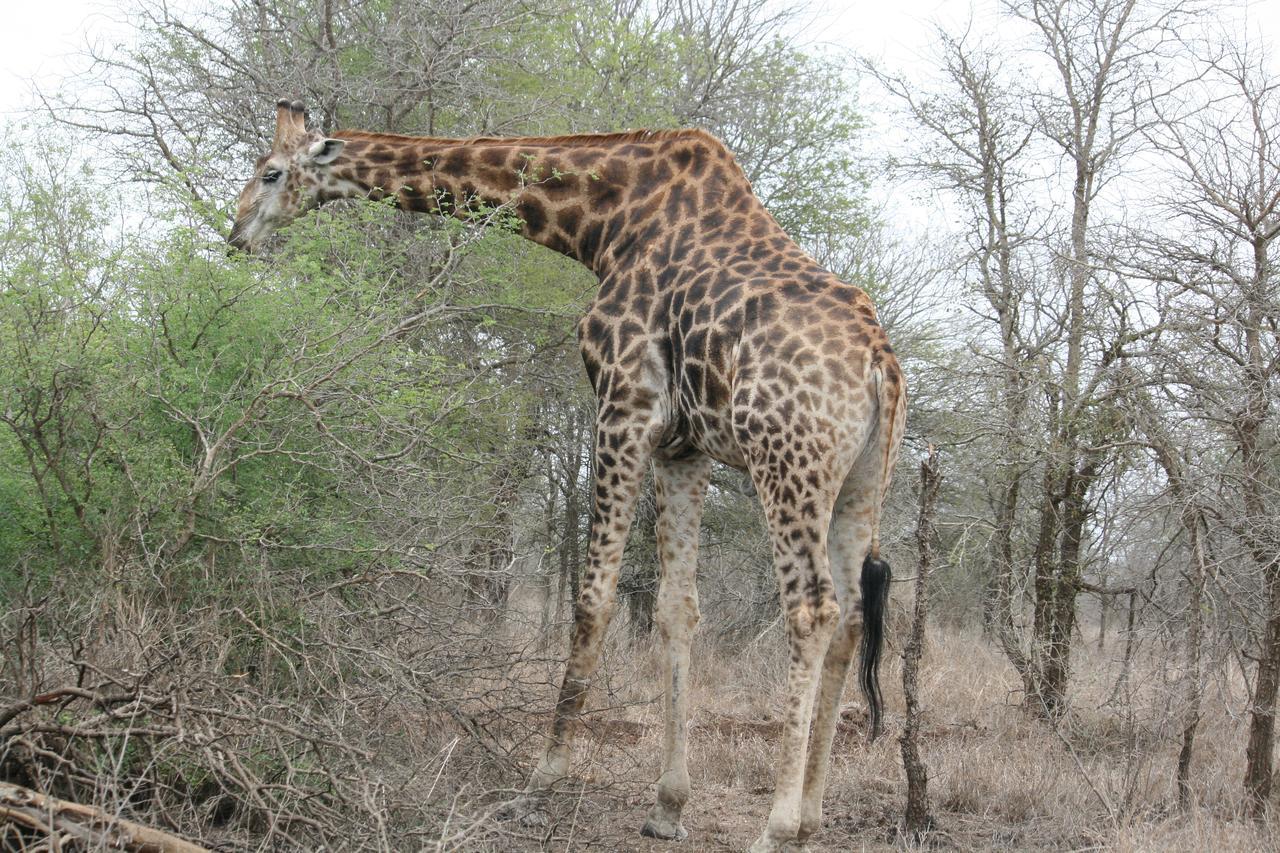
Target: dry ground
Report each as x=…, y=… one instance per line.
x=998, y=780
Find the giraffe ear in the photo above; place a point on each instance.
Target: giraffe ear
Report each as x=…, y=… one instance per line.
x=325, y=151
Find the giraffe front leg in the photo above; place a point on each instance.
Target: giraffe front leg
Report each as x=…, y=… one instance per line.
x=622, y=452
x=681, y=487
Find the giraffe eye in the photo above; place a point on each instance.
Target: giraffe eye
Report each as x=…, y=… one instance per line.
x=271, y=176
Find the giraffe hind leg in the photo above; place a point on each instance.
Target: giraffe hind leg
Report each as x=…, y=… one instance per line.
x=848, y=542
x=681, y=486
x=798, y=514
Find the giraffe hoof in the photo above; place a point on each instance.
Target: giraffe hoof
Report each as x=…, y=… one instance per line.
x=765, y=844
x=664, y=830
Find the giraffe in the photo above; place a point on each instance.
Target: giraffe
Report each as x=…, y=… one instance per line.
x=713, y=336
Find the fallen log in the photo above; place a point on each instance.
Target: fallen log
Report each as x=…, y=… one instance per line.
x=67, y=823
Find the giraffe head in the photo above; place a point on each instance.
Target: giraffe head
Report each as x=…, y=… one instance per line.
x=287, y=180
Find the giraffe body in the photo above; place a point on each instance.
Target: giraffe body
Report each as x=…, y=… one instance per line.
x=712, y=336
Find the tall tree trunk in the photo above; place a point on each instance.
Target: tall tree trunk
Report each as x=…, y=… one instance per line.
x=639, y=586
x=1104, y=610
x=1045, y=584
x=571, y=541
x=549, y=521
x=997, y=608
x=1059, y=578
x=1195, y=630
x=1067, y=585
x=491, y=554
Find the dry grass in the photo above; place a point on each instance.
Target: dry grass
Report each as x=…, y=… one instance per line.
x=410, y=736
x=998, y=779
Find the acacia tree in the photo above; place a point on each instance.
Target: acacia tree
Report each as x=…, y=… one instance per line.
x=1103, y=56
x=184, y=107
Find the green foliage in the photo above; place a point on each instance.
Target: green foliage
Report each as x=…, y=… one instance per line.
x=169, y=403
x=172, y=408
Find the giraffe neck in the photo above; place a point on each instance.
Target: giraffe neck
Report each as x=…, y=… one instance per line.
x=596, y=198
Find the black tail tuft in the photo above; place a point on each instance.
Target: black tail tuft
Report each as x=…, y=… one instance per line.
x=875, y=598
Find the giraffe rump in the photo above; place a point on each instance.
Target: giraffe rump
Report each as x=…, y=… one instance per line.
x=876, y=576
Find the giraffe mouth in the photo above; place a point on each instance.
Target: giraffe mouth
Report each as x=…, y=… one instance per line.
x=246, y=234
x=250, y=227
x=239, y=243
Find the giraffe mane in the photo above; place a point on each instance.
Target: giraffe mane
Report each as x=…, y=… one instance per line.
x=622, y=137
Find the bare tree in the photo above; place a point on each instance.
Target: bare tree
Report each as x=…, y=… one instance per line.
x=980, y=149
x=1053, y=325
x=982, y=143
x=1218, y=281
x=1104, y=56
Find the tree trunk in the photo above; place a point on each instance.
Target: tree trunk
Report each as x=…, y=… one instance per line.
x=1057, y=669
x=1046, y=589
x=1256, y=461
x=549, y=580
x=639, y=586
x=77, y=826
x=491, y=555
x=1259, y=762
x=571, y=542
x=997, y=609
x=917, y=820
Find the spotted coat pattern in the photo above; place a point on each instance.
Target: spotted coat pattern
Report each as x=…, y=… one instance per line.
x=713, y=336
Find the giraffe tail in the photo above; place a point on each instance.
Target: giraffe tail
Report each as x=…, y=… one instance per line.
x=876, y=574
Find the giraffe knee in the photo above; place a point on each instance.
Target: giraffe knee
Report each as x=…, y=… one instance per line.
x=591, y=620
x=845, y=639
x=676, y=613
x=595, y=602
x=808, y=620
x=827, y=612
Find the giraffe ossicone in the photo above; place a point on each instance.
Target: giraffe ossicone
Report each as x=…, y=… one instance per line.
x=712, y=336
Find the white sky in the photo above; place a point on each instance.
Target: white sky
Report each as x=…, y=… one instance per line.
x=37, y=37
